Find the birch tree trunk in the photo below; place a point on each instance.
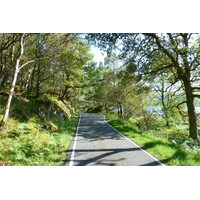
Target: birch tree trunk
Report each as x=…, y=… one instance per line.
x=12, y=89
x=28, y=79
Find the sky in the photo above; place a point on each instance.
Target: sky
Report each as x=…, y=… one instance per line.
x=98, y=54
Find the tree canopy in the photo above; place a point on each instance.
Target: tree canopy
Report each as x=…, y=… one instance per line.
x=141, y=72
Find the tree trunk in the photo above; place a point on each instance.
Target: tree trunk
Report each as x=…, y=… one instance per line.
x=28, y=79
x=38, y=82
x=166, y=114
x=7, y=110
x=166, y=118
x=64, y=93
x=164, y=105
x=38, y=56
x=30, y=88
x=120, y=110
x=12, y=89
x=193, y=131
x=3, y=80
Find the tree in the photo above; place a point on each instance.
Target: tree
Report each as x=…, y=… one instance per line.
x=117, y=88
x=168, y=94
x=18, y=67
x=178, y=53
x=43, y=67
x=184, y=60
x=7, y=43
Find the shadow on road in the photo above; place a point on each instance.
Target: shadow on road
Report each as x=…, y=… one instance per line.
x=97, y=160
x=91, y=149
x=96, y=129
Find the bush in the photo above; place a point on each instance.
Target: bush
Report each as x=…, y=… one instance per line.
x=30, y=144
x=188, y=144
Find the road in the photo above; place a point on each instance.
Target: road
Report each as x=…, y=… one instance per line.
x=96, y=143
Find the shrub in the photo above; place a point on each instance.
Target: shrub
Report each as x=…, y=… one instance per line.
x=30, y=144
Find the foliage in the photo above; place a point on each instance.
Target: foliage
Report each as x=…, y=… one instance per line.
x=175, y=151
x=151, y=81
x=54, y=102
x=54, y=68
x=31, y=144
x=151, y=54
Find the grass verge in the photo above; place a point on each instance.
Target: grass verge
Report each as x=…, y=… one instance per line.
x=168, y=152
x=31, y=144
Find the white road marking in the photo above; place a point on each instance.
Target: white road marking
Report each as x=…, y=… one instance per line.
x=135, y=144
x=74, y=145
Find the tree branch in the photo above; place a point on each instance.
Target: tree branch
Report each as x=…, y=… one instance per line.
x=181, y=103
x=165, y=51
x=31, y=61
x=196, y=95
x=8, y=43
x=179, y=108
x=153, y=35
x=195, y=88
x=160, y=69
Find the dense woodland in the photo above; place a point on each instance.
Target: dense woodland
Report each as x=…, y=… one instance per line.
x=151, y=81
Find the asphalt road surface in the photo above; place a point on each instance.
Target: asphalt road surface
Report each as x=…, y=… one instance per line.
x=96, y=143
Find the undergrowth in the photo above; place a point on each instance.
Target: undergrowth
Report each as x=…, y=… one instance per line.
x=33, y=143
x=170, y=145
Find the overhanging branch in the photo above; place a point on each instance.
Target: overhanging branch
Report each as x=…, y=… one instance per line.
x=195, y=88
x=31, y=61
x=196, y=95
x=179, y=108
x=181, y=103
x=160, y=69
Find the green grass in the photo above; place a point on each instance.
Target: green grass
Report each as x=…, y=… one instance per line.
x=30, y=144
x=168, y=152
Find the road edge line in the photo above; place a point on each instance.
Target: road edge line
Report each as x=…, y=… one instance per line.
x=74, y=145
x=135, y=144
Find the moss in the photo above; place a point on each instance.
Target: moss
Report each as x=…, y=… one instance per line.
x=50, y=126
x=64, y=106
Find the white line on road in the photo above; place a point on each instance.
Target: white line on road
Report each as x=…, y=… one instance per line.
x=135, y=143
x=74, y=145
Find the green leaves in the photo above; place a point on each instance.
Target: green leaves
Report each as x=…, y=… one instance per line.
x=42, y=148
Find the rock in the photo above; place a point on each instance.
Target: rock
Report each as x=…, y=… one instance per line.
x=50, y=126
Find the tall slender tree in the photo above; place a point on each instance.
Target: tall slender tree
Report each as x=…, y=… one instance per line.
x=18, y=67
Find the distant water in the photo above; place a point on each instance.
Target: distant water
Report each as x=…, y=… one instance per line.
x=158, y=110
x=155, y=110
x=197, y=109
